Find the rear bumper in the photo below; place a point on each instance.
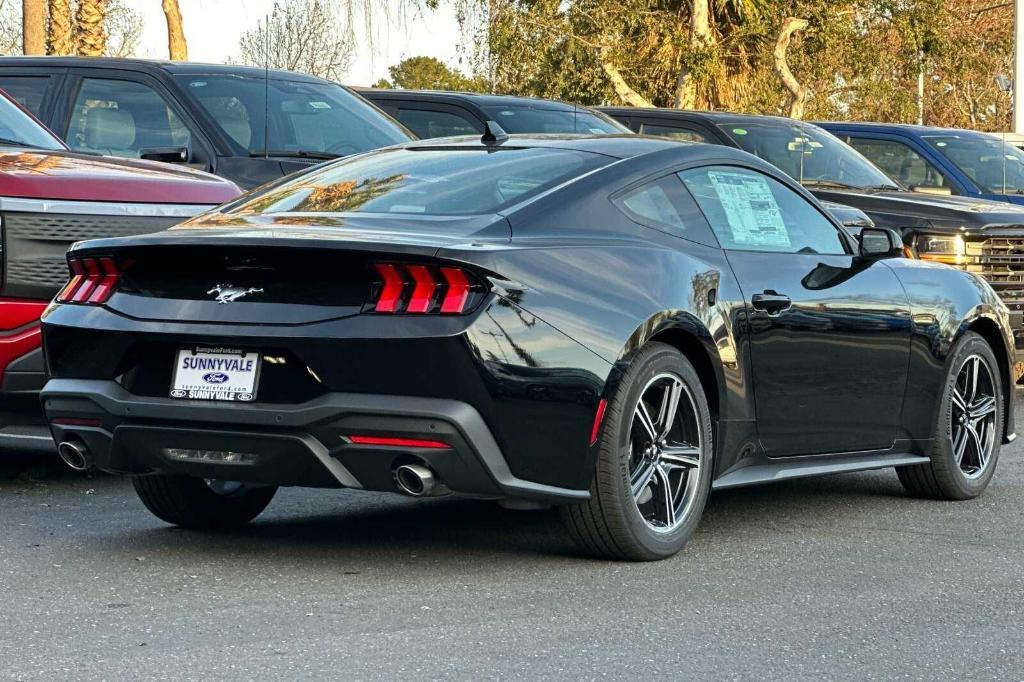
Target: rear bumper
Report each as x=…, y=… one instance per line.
x=291, y=444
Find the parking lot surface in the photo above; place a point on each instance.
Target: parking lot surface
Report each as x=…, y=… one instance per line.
x=841, y=577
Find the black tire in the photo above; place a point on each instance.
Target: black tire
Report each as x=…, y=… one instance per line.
x=610, y=524
x=943, y=478
x=190, y=503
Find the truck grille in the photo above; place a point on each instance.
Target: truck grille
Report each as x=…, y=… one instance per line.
x=1000, y=260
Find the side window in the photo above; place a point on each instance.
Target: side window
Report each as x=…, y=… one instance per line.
x=664, y=205
x=750, y=211
x=900, y=162
x=122, y=118
x=28, y=91
x=427, y=124
x=674, y=132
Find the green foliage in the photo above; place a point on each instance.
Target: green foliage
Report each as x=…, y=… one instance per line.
x=428, y=73
x=859, y=59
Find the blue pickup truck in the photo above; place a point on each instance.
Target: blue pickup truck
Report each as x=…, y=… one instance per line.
x=940, y=160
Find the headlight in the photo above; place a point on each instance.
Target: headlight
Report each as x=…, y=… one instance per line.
x=947, y=249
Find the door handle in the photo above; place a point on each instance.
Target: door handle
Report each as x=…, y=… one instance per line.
x=771, y=302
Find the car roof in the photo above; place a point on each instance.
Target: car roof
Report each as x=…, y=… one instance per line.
x=480, y=99
x=155, y=65
x=712, y=117
x=909, y=128
x=619, y=146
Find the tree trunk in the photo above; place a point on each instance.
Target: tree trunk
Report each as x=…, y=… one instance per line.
x=90, y=32
x=701, y=40
x=176, y=45
x=33, y=26
x=797, y=92
x=60, y=39
x=622, y=89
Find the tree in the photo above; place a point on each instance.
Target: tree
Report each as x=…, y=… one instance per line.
x=176, y=45
x=90, y=29
x=60, y=38
x=33, y=33
x=301, y=35
x=428, y=73
x=124, y=29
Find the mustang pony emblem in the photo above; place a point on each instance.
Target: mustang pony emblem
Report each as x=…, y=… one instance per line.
x=226, y=293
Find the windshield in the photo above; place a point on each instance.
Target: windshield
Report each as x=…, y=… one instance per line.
x=996, y=167
x=525, y=119
x=19, y=129
x=467, y=181
x=809, y=155
x=305, y=119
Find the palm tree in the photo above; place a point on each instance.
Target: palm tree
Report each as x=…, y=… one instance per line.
x=60, y=39
x=176, y=45
x=33, y=24
x=90, y=32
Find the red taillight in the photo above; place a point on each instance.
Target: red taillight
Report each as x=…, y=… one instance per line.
x=398, y=442
x=420, y=289
x=92, y=281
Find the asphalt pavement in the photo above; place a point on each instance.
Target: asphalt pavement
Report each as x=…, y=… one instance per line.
x=841, y=578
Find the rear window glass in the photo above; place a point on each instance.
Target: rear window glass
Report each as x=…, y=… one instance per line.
x=426, y=181
x=518, y=119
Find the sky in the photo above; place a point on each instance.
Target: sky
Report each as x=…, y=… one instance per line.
x=213, y=27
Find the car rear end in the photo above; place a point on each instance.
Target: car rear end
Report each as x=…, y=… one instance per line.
x=372, y=349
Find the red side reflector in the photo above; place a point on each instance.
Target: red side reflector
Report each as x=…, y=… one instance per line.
x=423, y=294
x=76, y=421
x=595, y=430
x=387, y=302
x=398, y=442
x=458, y=290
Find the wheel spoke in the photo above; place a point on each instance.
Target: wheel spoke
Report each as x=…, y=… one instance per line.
x=972, y=379
x=669, y=407
x=981, y=408
x=960, y=445
x=958, y=400
x=645, y=420
x=641, y=478
x=668, y=496
x=976, y=443
x=683, y=456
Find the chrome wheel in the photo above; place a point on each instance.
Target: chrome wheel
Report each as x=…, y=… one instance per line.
x=973, y=417
x=664, y=452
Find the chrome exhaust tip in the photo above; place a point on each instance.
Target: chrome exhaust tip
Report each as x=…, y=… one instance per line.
x=415, y=480
x=75, y=455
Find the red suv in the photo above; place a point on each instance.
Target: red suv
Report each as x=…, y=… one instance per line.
x=50, y=198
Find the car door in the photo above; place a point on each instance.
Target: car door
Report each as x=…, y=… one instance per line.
x=127, y=114
x=829, y=331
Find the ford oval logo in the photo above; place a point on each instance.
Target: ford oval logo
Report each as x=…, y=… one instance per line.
x=215, y=377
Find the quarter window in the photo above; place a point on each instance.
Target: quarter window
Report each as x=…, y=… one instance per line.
x=750, y=211
x=28, y=91
x=122, y=118
x=900, y=162
x=675, y=133
x=664, y=205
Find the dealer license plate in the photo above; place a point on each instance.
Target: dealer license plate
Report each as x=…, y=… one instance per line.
x=215, y=374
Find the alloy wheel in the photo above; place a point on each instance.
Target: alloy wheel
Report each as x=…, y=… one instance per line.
x=664, y=452
x=973, y=417
x=222, y=487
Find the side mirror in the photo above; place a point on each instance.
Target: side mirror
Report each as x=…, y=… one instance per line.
x=880, y=242
x=932, y=189
x=165, y=154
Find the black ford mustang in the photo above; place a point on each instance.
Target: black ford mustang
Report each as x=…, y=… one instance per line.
x=616, y=325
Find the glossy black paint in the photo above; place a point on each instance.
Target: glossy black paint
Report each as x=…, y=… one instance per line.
x=577, y=287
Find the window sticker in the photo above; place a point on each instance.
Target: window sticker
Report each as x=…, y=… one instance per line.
x=750, y=207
